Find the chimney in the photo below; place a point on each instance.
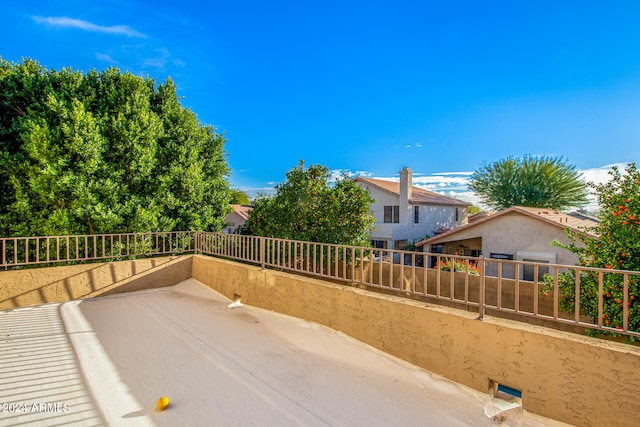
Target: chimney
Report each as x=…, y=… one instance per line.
x=406, y=183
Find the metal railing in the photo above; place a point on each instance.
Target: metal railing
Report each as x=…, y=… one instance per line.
x=476, y=282
x=26, y=251
x=598, y=299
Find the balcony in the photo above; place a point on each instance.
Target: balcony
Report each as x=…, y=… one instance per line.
x=111, y=358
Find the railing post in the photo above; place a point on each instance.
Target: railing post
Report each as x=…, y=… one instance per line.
x=262, y=252
x=482, y=287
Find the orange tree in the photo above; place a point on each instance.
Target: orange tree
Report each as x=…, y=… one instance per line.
x=617, y=247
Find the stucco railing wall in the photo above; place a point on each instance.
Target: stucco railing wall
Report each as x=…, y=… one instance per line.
x=30, y=286
x=572, y=378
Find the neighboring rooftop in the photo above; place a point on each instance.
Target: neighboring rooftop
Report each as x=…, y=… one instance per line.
x=242, y=210
x=577, y=222
x=574, y=220
x=418, y=195
x=109, y=359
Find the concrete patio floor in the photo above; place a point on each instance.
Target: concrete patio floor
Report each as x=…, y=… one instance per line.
x=106, y=361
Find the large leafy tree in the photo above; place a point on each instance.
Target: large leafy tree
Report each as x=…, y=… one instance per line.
x=308, y=206
x=104, y=152
x=617, y=246
x=543, y=182
x=239, y=197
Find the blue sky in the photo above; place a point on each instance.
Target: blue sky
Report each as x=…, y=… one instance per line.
x=369, y=87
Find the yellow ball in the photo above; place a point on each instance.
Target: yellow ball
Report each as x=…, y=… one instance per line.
x=163, y=403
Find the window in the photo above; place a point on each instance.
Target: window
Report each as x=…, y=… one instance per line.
x=501, y=256
x=416, y=214
x=379, y=244
x=400, y=244
x=392, y=214
x=457, y=214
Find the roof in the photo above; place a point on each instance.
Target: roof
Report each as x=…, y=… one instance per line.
x=185, y=342
x=576, y=221
x=418, y=195
x=242, y=210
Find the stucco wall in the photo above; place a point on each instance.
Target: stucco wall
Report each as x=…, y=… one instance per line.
x=19, y=288
x=568, y=377
x=432, y=217
x=511, y=233
x=234, y=220
x=572, y=378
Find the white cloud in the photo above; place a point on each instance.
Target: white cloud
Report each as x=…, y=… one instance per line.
x=437, y=181
x=254, y=191
x=335, y=174
x=600, y=175
x=159, y=61
x=66, y=22
x=154, y=62
x=106, y=58
x=453, y=173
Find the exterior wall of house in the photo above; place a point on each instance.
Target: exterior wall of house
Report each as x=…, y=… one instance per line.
x=233, y=222
x=431, y=217
x=515, y=235
x=383, y=231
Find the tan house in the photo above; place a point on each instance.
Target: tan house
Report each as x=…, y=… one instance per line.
x=518, y=233
x=405, y=213
x=237, y=218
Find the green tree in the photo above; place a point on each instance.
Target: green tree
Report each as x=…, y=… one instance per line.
x=617, y=246
x=104, y=152
x=543, y=182
x=473, y=209
x=309, y=207
x=239, y=197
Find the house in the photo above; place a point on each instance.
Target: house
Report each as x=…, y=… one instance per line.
x=518, y=233
x=237, y=218
x=405, y=213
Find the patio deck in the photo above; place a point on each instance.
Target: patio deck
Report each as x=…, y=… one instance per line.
x=106, y=361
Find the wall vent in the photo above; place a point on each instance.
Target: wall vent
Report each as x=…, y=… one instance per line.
x=504, y=399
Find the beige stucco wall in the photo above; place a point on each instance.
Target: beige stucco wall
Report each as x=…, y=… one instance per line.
x=432, y=217
x=572, y=378
x=515, y=232
x=568, y=377
x=512, y=233
x=19, y=288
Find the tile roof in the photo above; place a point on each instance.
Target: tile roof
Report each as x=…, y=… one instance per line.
x=577, y=222
x=418, y=195
x=573, y=220
x=242, y=210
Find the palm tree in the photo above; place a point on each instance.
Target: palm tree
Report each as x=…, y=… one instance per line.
x=542, y=182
